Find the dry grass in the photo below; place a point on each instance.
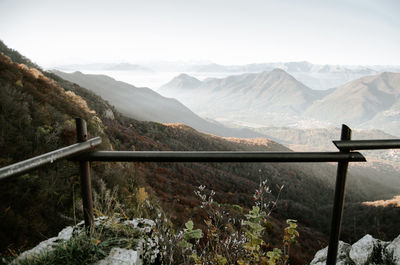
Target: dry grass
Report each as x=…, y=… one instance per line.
x=395, y=202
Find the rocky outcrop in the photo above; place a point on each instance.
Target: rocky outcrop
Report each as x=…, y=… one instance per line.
x=46, y=245
x=342, y=257
x=121, y=256
x=366, y=251
x=394, y=248
x=145, y=251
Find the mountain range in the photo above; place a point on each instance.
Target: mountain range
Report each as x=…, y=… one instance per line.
x=142, y=103
x=315, y=76
x=276, y=98
x=37, y=115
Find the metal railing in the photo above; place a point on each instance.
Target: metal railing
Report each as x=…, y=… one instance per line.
x=217, y=156
x=81, y=152
x=51, y=157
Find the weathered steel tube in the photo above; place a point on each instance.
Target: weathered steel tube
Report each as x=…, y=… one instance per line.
x=86, y=182
x=338, y=203
x=47, y=158
x=367, y=144
x=217, y=156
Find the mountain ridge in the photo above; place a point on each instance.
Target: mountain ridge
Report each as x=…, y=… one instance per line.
x=360, y=100
x=268, y=98
x=315, y=76
x=37, y=115
x=145, y=104
x=262, y=91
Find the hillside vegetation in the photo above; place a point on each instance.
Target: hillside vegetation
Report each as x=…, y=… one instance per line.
x=36, y=115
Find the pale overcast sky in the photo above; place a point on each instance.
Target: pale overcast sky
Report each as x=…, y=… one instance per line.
x=53, y=32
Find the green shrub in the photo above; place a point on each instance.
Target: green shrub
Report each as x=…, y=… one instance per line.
x=230, y=237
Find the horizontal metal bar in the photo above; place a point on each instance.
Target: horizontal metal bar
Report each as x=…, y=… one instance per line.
x=47, y=158
x=367, y=144
x=216, y=156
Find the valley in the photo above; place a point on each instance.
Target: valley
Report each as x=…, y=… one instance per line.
x=277, y=99
x=46, y=102
x=260, y=79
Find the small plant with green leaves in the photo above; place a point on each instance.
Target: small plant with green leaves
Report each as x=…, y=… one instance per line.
x=289, y=238
x=274, y=256
x=253, y=229
x=223, y=239
x=239, y=239
x=188, y=236
x=255, y=243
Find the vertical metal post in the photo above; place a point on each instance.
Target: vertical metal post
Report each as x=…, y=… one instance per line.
x=338, y=202
x=86, y=184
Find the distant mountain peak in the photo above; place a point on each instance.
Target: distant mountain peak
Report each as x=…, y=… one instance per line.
x=186, y=76
x=274, y=73
x=388, y=74
x=278, y=70
x=182, y=81
x=281, y=74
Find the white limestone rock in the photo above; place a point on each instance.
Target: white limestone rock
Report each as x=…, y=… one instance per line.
x=342, y=257
x=366, y=251
x=394, y=249
x=362, y=251
x=147, y=248
x=46, y=245
x=109, y=114
x=66, y=233
x=121, y=256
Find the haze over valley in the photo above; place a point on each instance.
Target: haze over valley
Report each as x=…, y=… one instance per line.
x=210, y=91
x=157, y=73
x=276, y=98
x=205, y=76
x=271, y=104
x=145, y=104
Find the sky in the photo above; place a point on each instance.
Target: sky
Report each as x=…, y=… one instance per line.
x=349, y=32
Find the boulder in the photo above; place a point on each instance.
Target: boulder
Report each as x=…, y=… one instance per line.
x=366, y=251
x=147, y=249
x=46, y=245
x=394, y=249
x=342, y=258
x=121, y=256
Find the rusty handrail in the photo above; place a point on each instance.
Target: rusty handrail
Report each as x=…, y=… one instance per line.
x=220, y=156
x=48, y=158
x=367, y=144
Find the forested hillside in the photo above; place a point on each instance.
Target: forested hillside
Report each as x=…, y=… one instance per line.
x=36, y=115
